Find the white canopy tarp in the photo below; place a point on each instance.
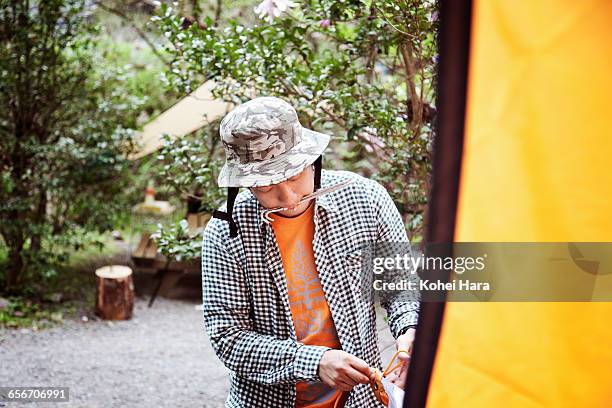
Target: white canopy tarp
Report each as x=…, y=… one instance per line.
x=186, y=116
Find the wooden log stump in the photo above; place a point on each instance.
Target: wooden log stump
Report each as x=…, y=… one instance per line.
x=114, y=292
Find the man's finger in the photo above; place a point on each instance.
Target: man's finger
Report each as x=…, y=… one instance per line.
x=360, y=365
x=357, y=377
x=392, y=376
x=402, y=376
x=406, y=346
x=405, y=342
x=403, y=357
x=343, y=385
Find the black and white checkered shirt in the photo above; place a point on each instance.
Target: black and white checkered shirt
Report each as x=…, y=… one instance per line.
x=246, y=305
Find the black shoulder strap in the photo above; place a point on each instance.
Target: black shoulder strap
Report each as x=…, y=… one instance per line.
x=232, y=192
x=317, y=175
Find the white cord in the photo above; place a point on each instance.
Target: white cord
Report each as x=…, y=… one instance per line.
x=265, y=215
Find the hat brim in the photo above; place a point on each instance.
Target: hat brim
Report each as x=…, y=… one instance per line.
x=278, y=169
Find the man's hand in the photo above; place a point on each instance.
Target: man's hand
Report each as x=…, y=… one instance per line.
x=343, y=371
x=404, y=342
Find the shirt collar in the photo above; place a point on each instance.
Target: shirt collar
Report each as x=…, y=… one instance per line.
x=326, y=203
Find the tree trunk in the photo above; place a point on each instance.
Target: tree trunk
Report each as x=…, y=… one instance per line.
x=14, y=269
x=15, y=265
x=39, y=218
x=114, y=292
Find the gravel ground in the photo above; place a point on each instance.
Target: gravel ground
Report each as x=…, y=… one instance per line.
x=160, y=358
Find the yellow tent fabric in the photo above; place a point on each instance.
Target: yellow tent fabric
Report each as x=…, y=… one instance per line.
x=537, y=166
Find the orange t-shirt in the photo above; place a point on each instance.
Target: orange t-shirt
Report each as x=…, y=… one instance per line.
x=311, y=315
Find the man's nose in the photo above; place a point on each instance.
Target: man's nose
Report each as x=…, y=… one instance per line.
x=286, y=196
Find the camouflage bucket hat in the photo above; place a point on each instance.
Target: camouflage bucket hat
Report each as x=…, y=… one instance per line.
x=266, y=144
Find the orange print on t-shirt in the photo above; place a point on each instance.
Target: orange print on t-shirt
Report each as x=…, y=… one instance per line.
x=311, y=315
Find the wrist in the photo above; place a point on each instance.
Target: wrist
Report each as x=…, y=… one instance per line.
x=405, y=329
x=307, y=362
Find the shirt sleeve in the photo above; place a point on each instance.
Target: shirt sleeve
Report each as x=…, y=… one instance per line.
x=402, y=306
x=257, y=357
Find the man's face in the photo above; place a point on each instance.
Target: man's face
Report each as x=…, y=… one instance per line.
x=288, y=193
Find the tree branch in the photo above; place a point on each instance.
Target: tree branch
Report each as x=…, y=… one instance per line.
x=410, y=69
x=218, y=10
x=138, y=30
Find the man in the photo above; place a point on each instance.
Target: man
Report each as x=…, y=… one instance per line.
x=282, y=304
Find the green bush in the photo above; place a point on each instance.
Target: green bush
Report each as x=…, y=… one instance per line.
x=360, y=70
x=65, y=133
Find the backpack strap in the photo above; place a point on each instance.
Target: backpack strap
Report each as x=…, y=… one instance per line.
x=317, y=175
x=232, y=192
